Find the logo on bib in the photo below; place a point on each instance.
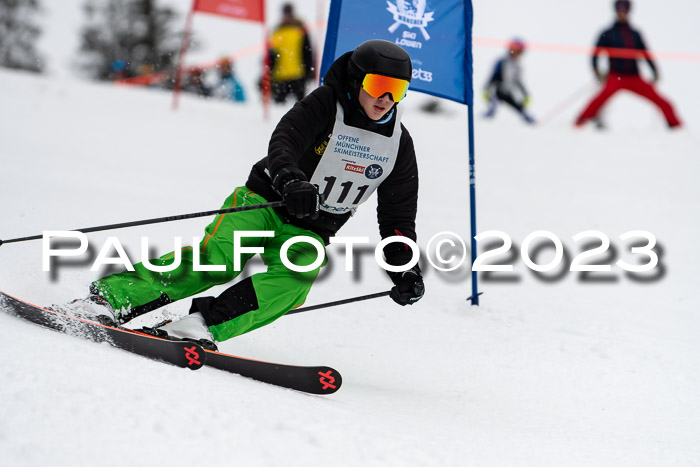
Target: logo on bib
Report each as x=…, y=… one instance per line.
x=354, y=168
x=374, y=171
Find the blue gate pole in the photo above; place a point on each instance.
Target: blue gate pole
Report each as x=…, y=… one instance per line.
x=472, y=205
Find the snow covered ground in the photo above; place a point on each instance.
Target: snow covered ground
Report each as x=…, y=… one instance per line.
x=559, y=368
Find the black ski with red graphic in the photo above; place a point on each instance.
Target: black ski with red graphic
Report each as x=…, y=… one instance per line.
x=180, y=353
x=311, y=379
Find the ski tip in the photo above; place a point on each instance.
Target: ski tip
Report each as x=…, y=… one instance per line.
x=329, y=380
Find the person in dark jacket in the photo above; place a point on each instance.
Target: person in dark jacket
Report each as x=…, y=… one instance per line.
x=623, y=72
x=326, y=156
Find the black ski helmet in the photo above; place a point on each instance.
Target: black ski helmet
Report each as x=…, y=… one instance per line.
x=380, y=57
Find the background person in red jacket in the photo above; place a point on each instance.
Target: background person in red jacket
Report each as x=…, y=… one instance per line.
x=623, y=72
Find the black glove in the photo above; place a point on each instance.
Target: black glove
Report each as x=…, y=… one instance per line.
x=301, y=198
x=409, y=287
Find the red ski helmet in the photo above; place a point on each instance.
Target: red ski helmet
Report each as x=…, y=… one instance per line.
x=516, y=45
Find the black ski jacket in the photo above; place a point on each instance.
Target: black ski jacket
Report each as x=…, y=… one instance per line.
x=299, y=141
x=622, y=36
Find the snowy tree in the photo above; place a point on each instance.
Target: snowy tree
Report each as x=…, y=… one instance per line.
x=128, y=38
x=18, y=35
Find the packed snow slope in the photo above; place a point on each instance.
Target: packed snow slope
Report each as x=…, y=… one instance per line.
x=556, y=368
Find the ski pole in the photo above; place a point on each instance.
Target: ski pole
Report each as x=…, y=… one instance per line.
x=565, y=104
x=339, y=302
x=180, y=217
x=133, y=315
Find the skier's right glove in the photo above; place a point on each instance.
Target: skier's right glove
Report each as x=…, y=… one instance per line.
x=487, y=95
x=408, y=288
x=301, y=198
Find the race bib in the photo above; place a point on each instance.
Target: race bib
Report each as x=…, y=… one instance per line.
x=354, y=164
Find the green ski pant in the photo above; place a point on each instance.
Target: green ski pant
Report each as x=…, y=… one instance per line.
x=276, y=291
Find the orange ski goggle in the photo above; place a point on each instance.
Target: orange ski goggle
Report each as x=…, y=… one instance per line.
x=378, y=85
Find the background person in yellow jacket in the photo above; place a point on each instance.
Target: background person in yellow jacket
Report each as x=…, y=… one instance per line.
x=291, y=57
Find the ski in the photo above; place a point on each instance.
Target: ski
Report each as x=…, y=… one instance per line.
x=311, y=379
x=179, y=353
x=186, y=354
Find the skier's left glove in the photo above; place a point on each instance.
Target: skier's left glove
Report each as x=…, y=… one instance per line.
x=408, y=288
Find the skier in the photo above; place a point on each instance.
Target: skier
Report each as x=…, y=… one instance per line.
x=506, y=83
x=623, y=72
x=347, y=138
